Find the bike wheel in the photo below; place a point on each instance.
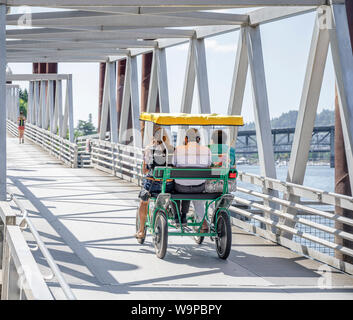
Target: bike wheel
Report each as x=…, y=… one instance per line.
x=160, y=237
x=224, y=235
x=139, y=240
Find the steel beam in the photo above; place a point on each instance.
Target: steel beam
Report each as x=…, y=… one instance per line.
x=3, y=102
x=167, y=3
x=112, y=102
x=239, y=81
x=309, y=101
x=260, y=100
x=105, y=104
x=188, y=89
x=261, y=111
x=141, y=21
x=308, y=108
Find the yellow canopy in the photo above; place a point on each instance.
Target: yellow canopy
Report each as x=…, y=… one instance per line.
x=171, y=119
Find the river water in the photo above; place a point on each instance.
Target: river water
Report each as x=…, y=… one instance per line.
x=318, y=177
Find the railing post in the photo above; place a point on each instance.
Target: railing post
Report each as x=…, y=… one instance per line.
x=75, y=160
x=7, y=217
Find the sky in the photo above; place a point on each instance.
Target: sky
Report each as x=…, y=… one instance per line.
x=285, y=45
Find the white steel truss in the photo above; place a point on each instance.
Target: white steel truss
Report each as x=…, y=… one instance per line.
x=110, y=30
x=45, y=103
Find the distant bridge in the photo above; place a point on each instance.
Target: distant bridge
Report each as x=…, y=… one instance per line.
x=323, y=141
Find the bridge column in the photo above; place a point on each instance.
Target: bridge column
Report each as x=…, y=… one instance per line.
x=188, y=89
x=196, y=68
x=158, y=97
x=101, y=89
x=261, y=112
x=58, y=108
x=2, y=102
x=238, y=84
x=308, y=108
x=30, y=103
x=130, y=95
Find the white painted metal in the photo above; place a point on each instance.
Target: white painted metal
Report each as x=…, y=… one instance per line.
x=124, y=115
x=189, y=85
x=37, y=77
x=261, y=108
x=111, y=68
x=167, y=3
x=105, y=104
x=130, y=97
x=2, y=102
x=30, y=105
x=309, y=102
x=135, y=104
x=53, y=266
x=308, y=106
x=238, y=83
x=260, y=100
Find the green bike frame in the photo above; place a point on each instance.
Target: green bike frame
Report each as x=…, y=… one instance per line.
x=164, y=200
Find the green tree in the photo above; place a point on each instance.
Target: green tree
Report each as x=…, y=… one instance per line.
x=23, y=94
x=85, y=128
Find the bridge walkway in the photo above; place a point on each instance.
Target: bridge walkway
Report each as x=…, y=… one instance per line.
x=87, y=220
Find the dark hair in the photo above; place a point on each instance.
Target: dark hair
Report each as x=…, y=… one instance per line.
x=21, y=112
x=219, y=137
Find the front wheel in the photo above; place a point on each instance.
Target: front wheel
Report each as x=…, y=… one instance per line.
x=224, y=235
x=160, y=237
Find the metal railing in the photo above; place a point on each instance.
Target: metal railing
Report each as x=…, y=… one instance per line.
x=59, y=147
x=25, y=223
x=21, y=278
x=119, y=160
x=84, y=152
x=310, y=234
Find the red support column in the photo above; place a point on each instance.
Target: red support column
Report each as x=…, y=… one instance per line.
x=35, y=67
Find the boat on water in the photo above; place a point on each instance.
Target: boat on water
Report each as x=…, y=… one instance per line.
x=242, y=160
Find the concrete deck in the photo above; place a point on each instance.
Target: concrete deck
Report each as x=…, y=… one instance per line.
x=87, y=220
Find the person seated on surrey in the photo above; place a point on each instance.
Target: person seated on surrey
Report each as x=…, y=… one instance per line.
x=221, y=153
x=158, y=153
x=190, y=155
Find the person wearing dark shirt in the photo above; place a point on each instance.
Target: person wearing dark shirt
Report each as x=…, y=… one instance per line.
x=158, y=153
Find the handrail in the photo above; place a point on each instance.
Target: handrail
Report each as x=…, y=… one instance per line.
x=20, y=272
x=59, y=147
x=317, y=231
x=55, y=269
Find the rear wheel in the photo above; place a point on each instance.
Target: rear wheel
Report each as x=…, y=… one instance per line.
x=224, y=235
x=138, y=222
x=160, y=237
